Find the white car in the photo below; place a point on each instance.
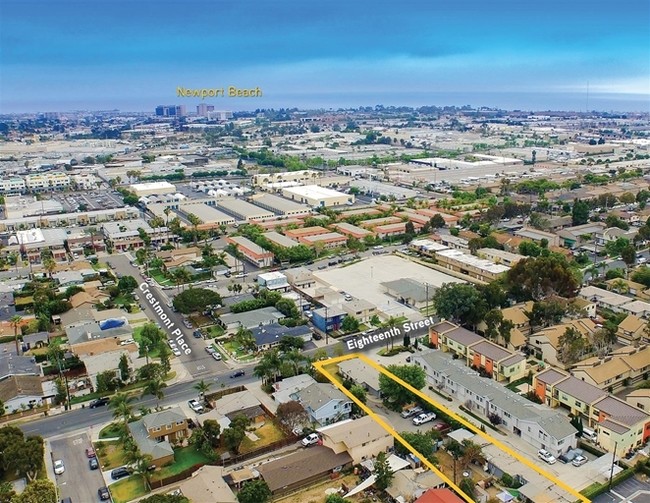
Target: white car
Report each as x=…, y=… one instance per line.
x=579, y=461
x=216, y=356
x=59, y=468
x=544, y=455
x=425, y=417
x=195, y=406
x=176, y=351
x=311, y=439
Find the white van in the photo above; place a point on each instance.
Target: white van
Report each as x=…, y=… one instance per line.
x=589, y=434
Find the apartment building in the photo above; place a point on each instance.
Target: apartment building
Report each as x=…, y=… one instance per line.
x=123, y=236
x=396, y=229
x=534, y=423
x=302, y=232
x=32, y=243
x=40, y=182
x=546, y=341
x=13, y=185
x=328, y=241
x=615, y=302
x=615, y=422
x=251, y=251
x=374, y=222
x=632, y=330
x=279, y=240
x=622, y=367
x=470, y=265
x=499, y=256
x=352, y=230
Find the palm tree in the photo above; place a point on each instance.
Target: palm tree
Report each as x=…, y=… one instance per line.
x=195, y=221
x=141, y=464
x=50, y=265
x=180, y=276
x=122, y=409
x=167, y=211
x=295, y=358
x=202, y=387
x=245, y=339
x=268, y=367
x=392, y=321
x=15, y=321
x=155, y=387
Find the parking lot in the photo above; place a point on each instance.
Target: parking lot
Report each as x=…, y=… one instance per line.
x=90, y=200
x=634, y=490
x=71, y=451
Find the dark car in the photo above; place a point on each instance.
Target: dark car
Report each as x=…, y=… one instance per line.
x=197, y=334
x=100, y=402
x=93, y=463
x=103, y=493
x=119, y=473
x=316, y=336
x=237, y=373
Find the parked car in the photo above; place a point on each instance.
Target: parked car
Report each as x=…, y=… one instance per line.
x=93, y=463
x=317, y=336
x=59, y=468
x=90, y=452
x=412, y=411
x=311, y=439
x=579, y=461
x=120, y=472
x=546, y=456
x=99, y=402
x=237, y=373
x=197, y=334
x=570, y=455
x=195, y=406
x=176, y=351
x=209, y=350
x=216, y=355
x=425, y=417
x=103, y=493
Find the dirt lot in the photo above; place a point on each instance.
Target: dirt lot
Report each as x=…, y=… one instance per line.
x=317, y=494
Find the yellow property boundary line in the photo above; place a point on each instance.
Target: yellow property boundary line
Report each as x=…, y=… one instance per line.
x=320, y=366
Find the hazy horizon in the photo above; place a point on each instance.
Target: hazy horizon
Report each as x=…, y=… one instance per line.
x=132, y=55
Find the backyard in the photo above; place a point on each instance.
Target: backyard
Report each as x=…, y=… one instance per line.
x=184, y=458
x=265, y=435
x=111, y=454
x=128, y=489
x=318, y=493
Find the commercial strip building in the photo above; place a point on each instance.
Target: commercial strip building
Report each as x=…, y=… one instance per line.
x=251, y=251
x=280, y=205
x=68, y=219
x=299, y=177
x=204, y=208
x=470, y=265
x=534, y=423
x=151, y=188
x=317, y=197
x=122, y=236
x=615, y=422
x=243, y=211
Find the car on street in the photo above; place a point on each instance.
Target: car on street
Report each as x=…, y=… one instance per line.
x=197, y=334
x=103, y=493
x=209, y=350
x=176, y=351
x=195, y=406
x=90, y=452
x=99, y=402
x=237, y=373
x=59, y=468
x=311, y=439
x=425, y=417
x=216, y=355
x=579, y=461
x=348, y=297
x=120, y=473
x=93, y=463
x=187, y=324
x=546, y=456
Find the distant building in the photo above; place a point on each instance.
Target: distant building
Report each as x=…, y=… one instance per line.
x=170, y=111
x=317, y=197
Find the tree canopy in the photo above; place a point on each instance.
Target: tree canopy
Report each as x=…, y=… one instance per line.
x=195, y=300
x=460, y=302
x=395, y=393
x=256, y=491
x=541, y=277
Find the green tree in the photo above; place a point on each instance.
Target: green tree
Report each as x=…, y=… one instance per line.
x=437, y=221
x=7, y=493
x=15, y=322
x=124, y=368
x=156, y=388
x=37, y=491
x=459, y=302
x=468, y=487
x=202, y=387
x=195, y=300
x=336, y=498
x=546, y=313
x=422, y=442
x=350, y=324
x=292, y=415
x=579, y=212
x=628, y=254
x=255, y=491
x=122, y=408
x=165, y=498
x=395, y=393
x=164, y=354
x=540, y=278
x=127, y=284
x=27, y=457
x=571, y=346
x=383, y=473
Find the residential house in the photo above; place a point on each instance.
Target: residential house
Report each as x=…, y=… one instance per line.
x=324, y=403
x=612, y=234
x=408, y=484
x=302, y=468
x=361, y=438
x=328, y=319
x=206, y=484
x=534, y=423
x=155, y=433
x=359, y=372
x=450, y=337
x=623, y=286
x=284, y=389
x=250, y=319
x=128, y=234
x=12, y=365
x=578, y=235
x=360, y=309
x=104, y=354
x=269, y=336
x=91, y=331
x=546, y=341
x=21, y=392
x=242, y=403
x=273, y=280
x=613, y=420
x=538, y=236
x=300, y=277
x=632, y=330
x=35, y=340
x=639, y=398
x=88, y=298
x=442, y=495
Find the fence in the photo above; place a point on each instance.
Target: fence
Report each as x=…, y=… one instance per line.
x=156, y=484
x=223, y=392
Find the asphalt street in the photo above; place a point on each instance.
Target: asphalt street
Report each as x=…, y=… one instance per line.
x=72, y=451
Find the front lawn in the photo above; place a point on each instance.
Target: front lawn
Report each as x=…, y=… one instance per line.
x=160, y=277
x=267, y=434
x=111, y=454
x=235, y=349
x=113, y=430
x=127, y=489
x=215, y=331
x=137, y=337
x=184, y=458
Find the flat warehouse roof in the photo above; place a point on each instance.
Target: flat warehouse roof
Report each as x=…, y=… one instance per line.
x=315, y=192
x=279, y=203
x=207, y=213
x=243, y=208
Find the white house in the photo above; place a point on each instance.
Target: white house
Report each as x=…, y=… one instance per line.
x=324, y=403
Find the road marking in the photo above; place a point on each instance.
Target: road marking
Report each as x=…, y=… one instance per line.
x=77, y=441
x=200, y=367
x=320, y=366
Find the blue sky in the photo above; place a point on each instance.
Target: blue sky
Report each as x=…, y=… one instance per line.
x=132, y=55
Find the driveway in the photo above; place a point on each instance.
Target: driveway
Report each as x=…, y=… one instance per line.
x=71, y=450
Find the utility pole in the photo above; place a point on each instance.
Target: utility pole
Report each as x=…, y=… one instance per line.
x=327, y=338
x=426, y=293
x=65, y=380
x=611, y=472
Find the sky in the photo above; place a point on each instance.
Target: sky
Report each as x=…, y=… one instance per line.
x=59, y=55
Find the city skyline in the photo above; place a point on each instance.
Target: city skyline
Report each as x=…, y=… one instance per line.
x=134, y=55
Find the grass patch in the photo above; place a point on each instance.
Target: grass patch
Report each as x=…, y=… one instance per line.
x=267, y=434
x=122, y=300
x=199, y=320
x=184, y=458
x=127, y=489
x=111, y=454
x=515, y=384
x=137, y=337
x=215, y=331
x=224, y=356
x=160, y=277
x=112, y=430
x=234, y=349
